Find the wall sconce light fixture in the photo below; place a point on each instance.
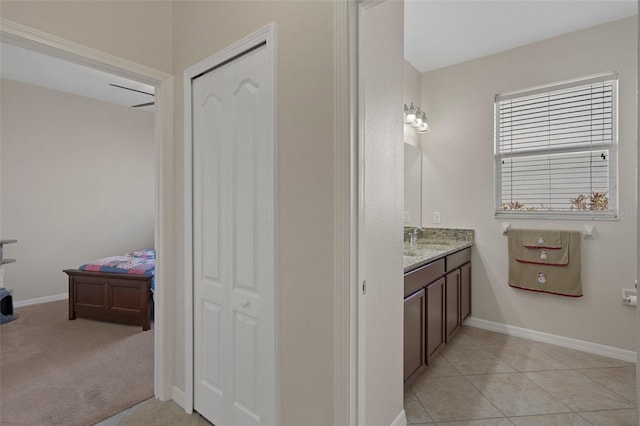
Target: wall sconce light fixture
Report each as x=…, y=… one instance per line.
x=416, y=118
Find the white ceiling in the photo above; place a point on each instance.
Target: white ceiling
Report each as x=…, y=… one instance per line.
x=439, y=33
x=28, y=66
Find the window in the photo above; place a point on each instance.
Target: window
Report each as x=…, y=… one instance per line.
x=556, y=150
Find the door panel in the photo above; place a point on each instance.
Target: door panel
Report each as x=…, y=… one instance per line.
x=453, y=303
x=234, y=242
x=245, y=100
x=211, y=343
x=245, y=375
x=211, y=191
x=435, y=318
x=414, y=334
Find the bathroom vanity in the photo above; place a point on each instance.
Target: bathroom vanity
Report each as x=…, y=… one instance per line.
x=437, y=293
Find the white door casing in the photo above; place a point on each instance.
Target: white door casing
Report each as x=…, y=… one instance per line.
x=234, y=244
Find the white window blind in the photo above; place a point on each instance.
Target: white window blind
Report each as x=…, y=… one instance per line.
x=556, y=150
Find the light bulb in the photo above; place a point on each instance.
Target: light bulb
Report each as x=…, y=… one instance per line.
x=418, y=120
x=410, y=117
x=424, y=128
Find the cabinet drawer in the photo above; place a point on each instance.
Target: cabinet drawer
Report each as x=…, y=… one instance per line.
x=459, y=258
x=422, y=276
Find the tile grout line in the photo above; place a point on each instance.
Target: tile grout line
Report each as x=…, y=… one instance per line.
x=485, y=397
x=569, y=368
x=421, y=404
x=605, y=386
x=523, y=373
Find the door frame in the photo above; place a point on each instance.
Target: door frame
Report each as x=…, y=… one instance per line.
x=638, y=225
x=349, y=395
x=49, y=44
x=266, y=35
x=345, y=352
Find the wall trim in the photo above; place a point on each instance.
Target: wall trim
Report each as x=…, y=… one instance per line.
x=566, y=342
x=179, y=397
x=342, y=281
x=74, y=52
x=58, y=47
x=401, y=420
x=38, y=300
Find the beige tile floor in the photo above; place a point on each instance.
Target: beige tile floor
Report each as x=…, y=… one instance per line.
x=484, y=378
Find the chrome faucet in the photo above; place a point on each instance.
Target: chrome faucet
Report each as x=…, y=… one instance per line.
x=413, y=238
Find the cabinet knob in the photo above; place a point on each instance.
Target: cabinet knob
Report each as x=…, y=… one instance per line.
x=244, y=303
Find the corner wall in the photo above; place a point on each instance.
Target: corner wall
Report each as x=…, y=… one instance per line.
x=77, y=184
x=304, y=68
x=458, y=182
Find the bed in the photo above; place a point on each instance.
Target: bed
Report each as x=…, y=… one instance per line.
x=116, y=289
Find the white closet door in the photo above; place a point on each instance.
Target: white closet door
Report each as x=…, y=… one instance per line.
x=234, y=242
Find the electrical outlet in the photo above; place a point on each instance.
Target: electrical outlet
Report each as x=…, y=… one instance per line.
x=436, y=217
x=407, y=216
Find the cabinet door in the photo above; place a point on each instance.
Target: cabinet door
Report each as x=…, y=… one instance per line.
x=452, y=303
x=465, y=292
x=435, y=318
x=414, y=334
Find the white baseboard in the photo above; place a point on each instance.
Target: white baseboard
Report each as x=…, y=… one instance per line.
x=566, y=342
x=38, y=300
x=401, y=420
x=179, y=397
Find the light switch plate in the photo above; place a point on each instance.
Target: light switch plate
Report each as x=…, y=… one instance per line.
x=436, y=217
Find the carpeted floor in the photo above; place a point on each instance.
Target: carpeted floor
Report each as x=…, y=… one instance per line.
x=59, y=372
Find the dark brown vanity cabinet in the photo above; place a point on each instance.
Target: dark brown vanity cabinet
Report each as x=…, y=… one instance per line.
x=452, y=284
x=458, y=297
x=437, y=301
x=414, y=334
x=423, y=329
x=435, y=318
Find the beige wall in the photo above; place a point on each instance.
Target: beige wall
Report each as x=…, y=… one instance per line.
x=412, y=150
x=77, y=184
x=139, y=31
x=458, y=182
x=304, y=50
x=152, y=33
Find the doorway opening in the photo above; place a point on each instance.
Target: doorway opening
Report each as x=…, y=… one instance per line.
x=161, y=123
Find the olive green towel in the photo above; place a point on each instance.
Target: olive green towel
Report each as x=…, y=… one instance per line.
x=542, y=255
x=560, y=279
x=536, y=238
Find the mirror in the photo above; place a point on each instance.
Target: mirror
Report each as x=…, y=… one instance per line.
x=412, y=151
x=412, y=185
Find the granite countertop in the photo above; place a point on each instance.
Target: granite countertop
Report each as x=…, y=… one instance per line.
x=433, y=244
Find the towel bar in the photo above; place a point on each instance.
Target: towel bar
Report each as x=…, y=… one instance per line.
x=588, y=232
